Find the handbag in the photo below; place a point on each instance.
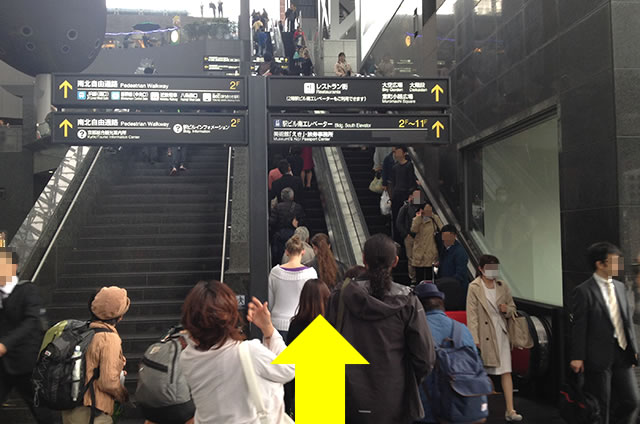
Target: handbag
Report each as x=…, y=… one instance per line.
x=254, y=390
x=376, y=184
x=577, y=406
x=385, y=204
x=519, y=334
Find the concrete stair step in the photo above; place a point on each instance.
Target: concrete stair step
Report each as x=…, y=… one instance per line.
x=158, y=252
x=149, y=240
x=143, y=265
x=135, y=293
x=177, y=228
x=127, y=279
x=140, y=308
x=164, y=208
x=158, y=199
x=173, y=186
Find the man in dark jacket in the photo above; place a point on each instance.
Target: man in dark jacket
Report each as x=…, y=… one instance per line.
x=453, y=274
x=287, y=180
x=406, y=214
x=20, y=334
x=403, y=182
x=603, y=340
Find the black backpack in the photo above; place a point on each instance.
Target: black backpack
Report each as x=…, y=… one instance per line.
x=52, y=378
x=577, y=406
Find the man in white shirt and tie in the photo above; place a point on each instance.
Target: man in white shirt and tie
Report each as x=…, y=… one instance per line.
x=603, y=341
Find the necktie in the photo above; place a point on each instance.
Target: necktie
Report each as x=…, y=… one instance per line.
x=614, y=310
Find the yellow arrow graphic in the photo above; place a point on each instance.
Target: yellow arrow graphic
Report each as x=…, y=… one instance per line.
x=66, y=124
x=437, y=126
x=438, y=90
x=66, y=85
x=320, y=354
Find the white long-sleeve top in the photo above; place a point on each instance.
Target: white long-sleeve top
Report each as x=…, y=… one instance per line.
x=219, y=388
x=285, y=286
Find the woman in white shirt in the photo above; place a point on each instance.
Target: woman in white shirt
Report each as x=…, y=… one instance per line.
x=211, y=363
x=285, y=284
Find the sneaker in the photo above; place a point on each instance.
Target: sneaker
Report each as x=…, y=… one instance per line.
x=512, y=417
x=174, y=171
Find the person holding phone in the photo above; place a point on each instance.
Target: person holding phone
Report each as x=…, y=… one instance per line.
x=407, y=212
x=425, y=250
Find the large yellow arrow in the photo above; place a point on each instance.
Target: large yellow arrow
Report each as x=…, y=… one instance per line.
x=438, y=90
x=66, y=124
x=320, y=354
x=66, y=85
x=437, y=126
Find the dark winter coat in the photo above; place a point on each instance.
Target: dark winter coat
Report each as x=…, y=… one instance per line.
x=21, y=329
x=394, y=338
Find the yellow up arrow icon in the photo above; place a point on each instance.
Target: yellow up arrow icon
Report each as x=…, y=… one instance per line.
x=66, y=85
x=66, y=125
x=437, y=126
x=438, y=91
x=320, y=354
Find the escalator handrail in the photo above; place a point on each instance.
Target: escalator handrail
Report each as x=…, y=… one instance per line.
x=345, y=221
x=44, y=223
x=227, y=210
x=442, y=209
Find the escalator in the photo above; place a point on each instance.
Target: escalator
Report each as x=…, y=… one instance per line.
x=314, y=210
x=360, y=164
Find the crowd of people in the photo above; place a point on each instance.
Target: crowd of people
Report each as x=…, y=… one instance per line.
x=403, y=333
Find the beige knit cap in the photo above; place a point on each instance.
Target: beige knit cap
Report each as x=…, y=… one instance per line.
x=110, y=302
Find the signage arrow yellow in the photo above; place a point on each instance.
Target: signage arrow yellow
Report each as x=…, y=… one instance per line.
x=437, y=126
x=438, y=91
x=66, y=85
x=320, y=354
x=66, y=125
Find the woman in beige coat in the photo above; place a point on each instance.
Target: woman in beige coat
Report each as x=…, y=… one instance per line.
x=489, y=305
x=425, y=250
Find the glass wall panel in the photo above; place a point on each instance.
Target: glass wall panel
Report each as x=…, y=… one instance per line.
x=513, y=209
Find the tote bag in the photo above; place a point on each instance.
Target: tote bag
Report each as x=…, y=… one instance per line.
x=519, y=334
x=254, y=390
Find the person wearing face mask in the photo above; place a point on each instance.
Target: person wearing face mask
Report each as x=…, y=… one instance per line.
x=489, y=305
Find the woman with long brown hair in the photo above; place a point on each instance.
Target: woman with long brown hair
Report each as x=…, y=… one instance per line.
x=329, y=269
x=313, y=302
x=211, y=363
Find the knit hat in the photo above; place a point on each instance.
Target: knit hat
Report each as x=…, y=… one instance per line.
x=427, y=289
x=110, y=302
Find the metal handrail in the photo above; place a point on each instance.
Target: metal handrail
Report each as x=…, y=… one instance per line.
x=442, y=208
x=226, y=215
x=66, y=215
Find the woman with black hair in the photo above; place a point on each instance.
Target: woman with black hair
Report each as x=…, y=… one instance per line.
x=385, y=322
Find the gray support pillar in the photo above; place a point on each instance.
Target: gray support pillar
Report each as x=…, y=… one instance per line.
x=258, y=199
x=42, y=96
x=244, y=32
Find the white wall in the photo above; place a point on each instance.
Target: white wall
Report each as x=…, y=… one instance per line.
x=331, y=50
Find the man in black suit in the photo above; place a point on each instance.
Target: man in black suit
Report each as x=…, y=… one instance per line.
x=287, y=180
x=20, y=333
x=603, y=340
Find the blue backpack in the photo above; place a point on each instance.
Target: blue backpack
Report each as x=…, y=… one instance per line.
x=457, y=388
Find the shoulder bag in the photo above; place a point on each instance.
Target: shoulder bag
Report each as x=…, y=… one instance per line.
x=254, y=390
x=519, y=334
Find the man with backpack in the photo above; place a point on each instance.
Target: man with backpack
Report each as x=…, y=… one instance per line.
x=443, y=401
x=20, y=333
x=104, y=360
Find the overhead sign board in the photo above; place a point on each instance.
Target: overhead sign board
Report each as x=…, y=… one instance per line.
x=148, y=128
x=147, y=91
x=378, y=93
x=226, y=64
x=336, y=129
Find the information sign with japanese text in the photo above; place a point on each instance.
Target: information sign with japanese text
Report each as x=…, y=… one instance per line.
x=148, y=128
x=334, y=129
x=379, y=93
x=147, y=91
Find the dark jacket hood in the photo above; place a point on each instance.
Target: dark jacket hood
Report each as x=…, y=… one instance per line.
x=366, y=307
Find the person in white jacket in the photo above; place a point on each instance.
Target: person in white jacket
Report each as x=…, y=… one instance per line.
x=211, y=363
x=285, y=285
